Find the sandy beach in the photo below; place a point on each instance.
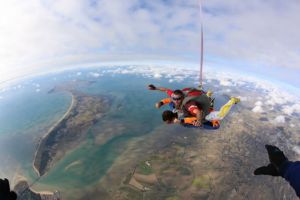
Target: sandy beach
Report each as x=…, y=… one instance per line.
x=51, y=129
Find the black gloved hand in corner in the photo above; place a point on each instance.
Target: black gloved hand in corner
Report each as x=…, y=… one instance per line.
x=5, y=193
x=276, y=157
x=151, y=87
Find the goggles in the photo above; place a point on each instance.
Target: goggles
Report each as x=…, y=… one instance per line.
x=176, y=98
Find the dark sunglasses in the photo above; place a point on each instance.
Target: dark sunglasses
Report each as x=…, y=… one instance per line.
x=176, y=99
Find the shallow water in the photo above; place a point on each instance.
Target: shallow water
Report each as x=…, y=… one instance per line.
x=27, y=113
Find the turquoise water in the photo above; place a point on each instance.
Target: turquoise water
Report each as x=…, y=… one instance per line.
x=26, y=115
x=28, y=111
x=25, y=109
x=137, y=112
x=94, y=162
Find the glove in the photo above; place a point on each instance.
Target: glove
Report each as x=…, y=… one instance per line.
x=151, y=87
x=5, y=193
x=276, y=157
x=267, y=170
x=197, y=123
x=215, y=123
x=159, y=104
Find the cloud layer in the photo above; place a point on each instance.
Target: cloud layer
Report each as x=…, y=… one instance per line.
x=37, y=33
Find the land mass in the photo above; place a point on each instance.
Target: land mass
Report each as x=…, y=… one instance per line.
x=176, y=163
x=25, y=192
x=84, y=111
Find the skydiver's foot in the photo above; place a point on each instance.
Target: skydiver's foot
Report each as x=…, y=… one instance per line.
x=209, y=93
x=235, y=100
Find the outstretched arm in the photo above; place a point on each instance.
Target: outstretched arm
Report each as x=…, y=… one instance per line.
x=162, y=102
x=152, y=87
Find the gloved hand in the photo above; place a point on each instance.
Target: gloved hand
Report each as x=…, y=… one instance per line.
x=197, y=123
x=276, y=157
x=158, y=104
x=151, y=87
x=215, y=123
x=5, y=193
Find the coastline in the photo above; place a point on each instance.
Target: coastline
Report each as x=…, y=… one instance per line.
x=68, y=132
x=41, y=192
x=22, y=185
x=51, y=129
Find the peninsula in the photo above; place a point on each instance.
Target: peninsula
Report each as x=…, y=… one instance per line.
x=84, y=111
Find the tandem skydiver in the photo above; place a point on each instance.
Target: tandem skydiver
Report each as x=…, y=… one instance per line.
x=176, y=97
x=192, y=107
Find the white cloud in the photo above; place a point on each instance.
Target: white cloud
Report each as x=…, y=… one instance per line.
x=226, y=82
x=35, y=34
x=179, y=78
x=94, y=74
x=157, y=75
x=276, y=96
x=125, y=71
x=228, y=90
x=4, y=89
x=258, y=103
x=78, y=73
x=279, y=119
x=257, y=109
x=270, y=102
x=37, y=85
x=291, y=108
x=297, y=149
x=243, y=99
x=38, y=90
x=263, y=27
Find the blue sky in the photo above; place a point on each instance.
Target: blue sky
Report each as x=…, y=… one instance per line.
x=257, y=36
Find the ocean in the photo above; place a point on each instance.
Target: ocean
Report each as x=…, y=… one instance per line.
x=28, y=110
